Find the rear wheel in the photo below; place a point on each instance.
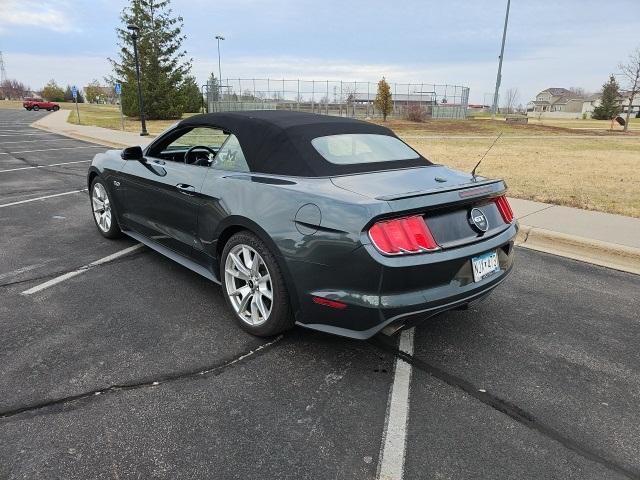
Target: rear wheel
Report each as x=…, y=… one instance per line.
x=36, y=108
x=102, y=209
x=254, y=287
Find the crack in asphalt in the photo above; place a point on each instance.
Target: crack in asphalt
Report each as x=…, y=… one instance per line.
x=511, y=410
x=162, y=379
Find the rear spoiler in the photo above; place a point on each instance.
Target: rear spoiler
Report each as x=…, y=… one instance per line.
x=467, y=190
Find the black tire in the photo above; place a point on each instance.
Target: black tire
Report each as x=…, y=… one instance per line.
x=56, y=108
x=35, y=108
x=28, y=108
x=114, y=229
x=280, y=317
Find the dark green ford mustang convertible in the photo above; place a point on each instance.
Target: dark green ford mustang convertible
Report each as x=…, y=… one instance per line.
x=325, y=222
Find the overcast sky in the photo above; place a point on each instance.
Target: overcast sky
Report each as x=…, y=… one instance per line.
x=560, y=43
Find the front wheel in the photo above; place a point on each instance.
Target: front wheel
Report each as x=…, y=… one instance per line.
x=56, y=108
x=253, y=286
x=102, y=209
x=36, y=108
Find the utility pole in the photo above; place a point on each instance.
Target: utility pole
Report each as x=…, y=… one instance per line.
x=218, y=38
x=494, y=107
x=3, y=72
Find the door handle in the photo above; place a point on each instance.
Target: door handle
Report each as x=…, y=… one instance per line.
x=185, y=189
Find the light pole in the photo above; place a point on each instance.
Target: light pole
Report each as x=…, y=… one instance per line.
x=218, y=38
x=134, y=37
x=494, y=107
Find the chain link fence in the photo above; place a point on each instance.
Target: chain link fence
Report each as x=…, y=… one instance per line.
x=334, y=97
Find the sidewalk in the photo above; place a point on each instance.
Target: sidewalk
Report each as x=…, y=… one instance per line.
x=56, y=122
x=600, y=238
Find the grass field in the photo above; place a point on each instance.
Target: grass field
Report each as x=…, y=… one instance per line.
x=108, y=116
x=592, y=173
x=578, y=163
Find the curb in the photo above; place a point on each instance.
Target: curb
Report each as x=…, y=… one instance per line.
x=605, y=254
x=79, y=136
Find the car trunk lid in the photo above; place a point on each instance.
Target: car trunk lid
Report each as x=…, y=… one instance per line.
x=443, y=196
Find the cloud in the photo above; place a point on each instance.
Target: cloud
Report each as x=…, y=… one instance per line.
x=51, y=15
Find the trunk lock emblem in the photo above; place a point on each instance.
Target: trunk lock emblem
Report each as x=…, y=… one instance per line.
x=478, y=220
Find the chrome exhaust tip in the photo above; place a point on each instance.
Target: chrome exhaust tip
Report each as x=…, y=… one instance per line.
x=392, y=329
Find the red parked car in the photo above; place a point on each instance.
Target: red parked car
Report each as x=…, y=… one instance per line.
x=36, y=104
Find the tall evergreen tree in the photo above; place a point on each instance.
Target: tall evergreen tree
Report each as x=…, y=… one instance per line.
x=163, y=62
x=68, y=94
x=191, y=94
x=609, y=106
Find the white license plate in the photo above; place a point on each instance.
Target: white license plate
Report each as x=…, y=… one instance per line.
x=484, y=265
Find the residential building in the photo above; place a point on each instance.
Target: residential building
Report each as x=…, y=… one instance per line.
x=556, y=100
x=593, y=101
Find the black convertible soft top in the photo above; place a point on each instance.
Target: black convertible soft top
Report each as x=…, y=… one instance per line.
x=279, y=142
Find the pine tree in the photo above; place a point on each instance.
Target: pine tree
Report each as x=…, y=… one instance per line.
x=384, y=101
x=191, y=94
x=609, y=107
x=163, y=62
x=68, y=94
x=213, y=88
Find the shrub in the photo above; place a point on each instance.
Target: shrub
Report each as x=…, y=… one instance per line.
x=415, y=113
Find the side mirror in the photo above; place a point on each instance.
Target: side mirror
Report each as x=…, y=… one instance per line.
x=132, y=153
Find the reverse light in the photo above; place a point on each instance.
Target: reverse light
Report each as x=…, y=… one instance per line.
x=402, y=235
x=504, y=208
x=329, y=303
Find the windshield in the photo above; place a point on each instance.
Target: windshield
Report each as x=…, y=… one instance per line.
x=354, y=148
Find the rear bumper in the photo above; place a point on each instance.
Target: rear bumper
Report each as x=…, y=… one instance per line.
x=381, y=291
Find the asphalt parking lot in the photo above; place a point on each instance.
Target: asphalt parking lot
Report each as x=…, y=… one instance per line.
x=133, y=368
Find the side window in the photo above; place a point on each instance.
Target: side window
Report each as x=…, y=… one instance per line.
x=230, y=157
x=208, y=137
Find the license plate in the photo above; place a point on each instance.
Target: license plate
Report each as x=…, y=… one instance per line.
x=485, y=265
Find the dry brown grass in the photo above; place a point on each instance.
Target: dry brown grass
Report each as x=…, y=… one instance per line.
x=591, y=173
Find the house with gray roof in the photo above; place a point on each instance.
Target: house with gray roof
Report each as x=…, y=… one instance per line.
x=556, y=99
x=595, y=100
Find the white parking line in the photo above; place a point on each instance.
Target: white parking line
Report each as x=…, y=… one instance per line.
x=41, y=198
x=391, y=465
x=42, y=140
x=52, y=149
x=67, y=276
x=43, y=166
x=24, y=134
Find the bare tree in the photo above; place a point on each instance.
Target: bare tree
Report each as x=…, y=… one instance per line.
x=348, y=93
x=579, y=91
x=511, y=99
x=631, y=72
x=12, y=89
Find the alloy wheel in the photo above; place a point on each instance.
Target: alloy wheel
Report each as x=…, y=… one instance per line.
x=101, y=207
x=248, y=284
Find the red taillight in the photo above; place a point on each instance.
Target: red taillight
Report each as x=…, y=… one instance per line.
x=504, y=208
x=402, y=235
x=329, y=303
